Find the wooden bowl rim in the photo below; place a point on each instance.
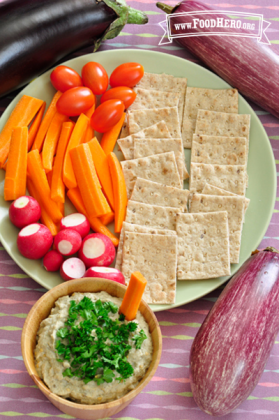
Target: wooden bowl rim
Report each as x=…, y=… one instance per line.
x=61, y=401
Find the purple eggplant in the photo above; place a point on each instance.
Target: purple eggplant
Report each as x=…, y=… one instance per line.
x=35, y=34
x=246, y=64
x=232, y=346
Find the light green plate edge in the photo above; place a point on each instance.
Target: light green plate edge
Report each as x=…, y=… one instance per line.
x=261, y=166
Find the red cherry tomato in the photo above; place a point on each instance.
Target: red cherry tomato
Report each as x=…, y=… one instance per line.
x=64, y=78
x=95, y=77
x=75, y=101
x=123, y=93
x=107, y=115
x=127, y=74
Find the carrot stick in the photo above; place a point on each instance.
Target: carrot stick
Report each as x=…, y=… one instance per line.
x=45, y=218
x=61, y=207
x=76, y=139
x=51, y=111
x=101, y=164
x=51, y=140
x=95, y=223
x=91, y=110
x=35, y=125
x=57, y=190
x=119, y=191
x=49, y=177
x=15, y=179
x=94, y=200
x=89, y=135
x=110, y=137
x=21, y=116
x=39, y=179
x=107, y=218
x=131, y=300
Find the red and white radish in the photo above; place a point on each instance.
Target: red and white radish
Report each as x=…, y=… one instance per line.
x=34, y=241
x=72, y=268
x=76, y=221
x=97, y=249
x=106, y=273
x=67, y=242
x=232, y=346
x=24, y=211
x=53, y=260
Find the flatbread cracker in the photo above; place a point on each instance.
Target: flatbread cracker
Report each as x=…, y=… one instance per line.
x=149, y=147
x=149, y=192
x=159, y=130
x=203, y=245
x=229, y=177
x=138, y=120
x=128, y=227
x=209, y=189
x=221, y=100
x=157, y=168
x=151, y=216
x=167, y=83
x=155, y=256
x=219, y=150
x=201, y=203
x=151, y=99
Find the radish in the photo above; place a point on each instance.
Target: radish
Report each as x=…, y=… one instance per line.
x=231, y=348
x=67, y=242
x=24, y=211
x=76, y=221
x=72, y=268
x=97, y=249
x=34, y=241
x=52, y=260
x=106, y=273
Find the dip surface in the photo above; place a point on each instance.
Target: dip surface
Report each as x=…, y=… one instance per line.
x=51, y=370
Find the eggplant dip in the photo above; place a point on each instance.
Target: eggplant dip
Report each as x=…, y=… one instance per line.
x=88, y=353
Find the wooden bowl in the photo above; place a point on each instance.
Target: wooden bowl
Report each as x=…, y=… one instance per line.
x=42, y=309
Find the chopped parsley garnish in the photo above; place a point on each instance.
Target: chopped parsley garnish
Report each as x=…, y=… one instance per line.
x=94, y=344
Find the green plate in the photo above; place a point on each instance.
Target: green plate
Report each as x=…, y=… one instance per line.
x=261, y=166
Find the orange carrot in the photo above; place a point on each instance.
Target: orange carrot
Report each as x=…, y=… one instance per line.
x=35, y=125
x=51, y=140
x=49, y=177
x=76, y=139
x=101, y=164
x=45, y=218
x=110, y=137
x=95, y=223
x=39, y=179
x=119, y=191
x=61, y=207
x=21, y=116
x=89, y=135
x=15, y=179
x=57, y=189
x=107, y=218
x=131, y=300
x=94, y=200
x=51, y=111
x=90, y=111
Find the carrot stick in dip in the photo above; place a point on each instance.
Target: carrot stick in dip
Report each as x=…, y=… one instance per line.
x=131, y=301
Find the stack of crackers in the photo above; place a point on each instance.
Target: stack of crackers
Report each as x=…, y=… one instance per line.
x=159, y=237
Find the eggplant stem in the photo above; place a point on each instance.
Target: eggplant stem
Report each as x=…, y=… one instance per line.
x=271, y=249
x=136, y=16
x=165, y=7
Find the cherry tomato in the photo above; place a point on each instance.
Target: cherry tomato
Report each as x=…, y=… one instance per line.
x=64, y=78
x=75, y=101
x=127, y=74
x=95, y=77
x=125, y=94
x=107, y=115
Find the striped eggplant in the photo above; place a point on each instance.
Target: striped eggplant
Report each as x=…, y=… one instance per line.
x=246, y=64
x=232, y=346
x=35, y=34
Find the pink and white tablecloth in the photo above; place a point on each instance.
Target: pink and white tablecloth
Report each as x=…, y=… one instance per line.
x=168, y=396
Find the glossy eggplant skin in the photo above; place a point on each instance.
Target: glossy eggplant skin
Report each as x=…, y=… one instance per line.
x=232, y=346
x=246, y=64
x=35, y=34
